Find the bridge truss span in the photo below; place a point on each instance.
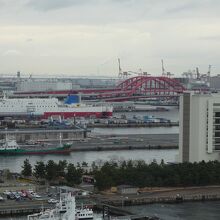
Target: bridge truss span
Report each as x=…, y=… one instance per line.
x=129, y=89
x=151, y=85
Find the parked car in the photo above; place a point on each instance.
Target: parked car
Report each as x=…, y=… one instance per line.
x=35, y=195
x=6, y=192
x=11, y=196
x=52, y=201
x=50, y=195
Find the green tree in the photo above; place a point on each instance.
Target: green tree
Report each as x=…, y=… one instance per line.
x=103, y=181
x=94, y=167
x=61, y=167
x=73, y=176
x=51, y=170
x=84, y=164
x=26, y=168
x=40, y=170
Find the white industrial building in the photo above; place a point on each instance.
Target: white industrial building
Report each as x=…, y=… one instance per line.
x=44, y=85
x=199, y=137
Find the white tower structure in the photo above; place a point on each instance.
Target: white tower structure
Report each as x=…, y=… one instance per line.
x=199, y=136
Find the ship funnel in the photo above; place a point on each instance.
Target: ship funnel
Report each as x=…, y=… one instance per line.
x=72, y=99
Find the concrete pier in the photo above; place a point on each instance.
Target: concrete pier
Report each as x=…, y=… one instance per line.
x=127, y=142
x=24, y=135
x=22, y=208
x=135, y=125
x=163, y=195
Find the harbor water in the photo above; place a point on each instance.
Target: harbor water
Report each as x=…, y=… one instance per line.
x=14, y=163
x=183, y=211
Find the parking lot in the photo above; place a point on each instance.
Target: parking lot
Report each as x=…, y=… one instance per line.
x=11, y=196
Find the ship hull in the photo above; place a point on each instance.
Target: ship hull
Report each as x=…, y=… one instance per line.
x=47, y=107
x=35, y=152
x=78, y=114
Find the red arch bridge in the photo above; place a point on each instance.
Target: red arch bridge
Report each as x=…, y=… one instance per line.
x=131, y=88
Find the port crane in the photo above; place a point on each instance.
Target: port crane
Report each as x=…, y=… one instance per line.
x=163, y=70
x=196, y=75
x=140, y=73
x=209, y=72
x=164, y=73
x=125, y=74
x=202, y=76
x=122, y=74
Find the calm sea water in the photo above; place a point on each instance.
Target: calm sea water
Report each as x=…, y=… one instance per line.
x=14, y=163
x=172, y=114
x=182, y=211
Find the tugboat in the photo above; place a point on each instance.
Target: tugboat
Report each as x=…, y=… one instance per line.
x=65, y=210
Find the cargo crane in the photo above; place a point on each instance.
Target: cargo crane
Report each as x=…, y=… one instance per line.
x=163, y=70
x=122, y=74
x=164, y=73
x=119, y=68
x=205, y=76
x=209, y=73
x=197, y=73
x=125, y=74
x=139, y=73
x=143, y=73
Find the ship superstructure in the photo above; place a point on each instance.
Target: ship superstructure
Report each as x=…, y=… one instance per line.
x=65, y=210
x=47, y=107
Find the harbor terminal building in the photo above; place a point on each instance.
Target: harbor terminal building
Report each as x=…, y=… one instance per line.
x=199, y=135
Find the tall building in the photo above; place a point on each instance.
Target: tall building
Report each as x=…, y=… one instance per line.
x=199, y=137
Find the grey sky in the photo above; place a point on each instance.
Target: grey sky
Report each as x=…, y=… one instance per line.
x=83, y=37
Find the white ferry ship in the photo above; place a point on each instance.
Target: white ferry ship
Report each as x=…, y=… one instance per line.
x=65, y=210
x=47, y=107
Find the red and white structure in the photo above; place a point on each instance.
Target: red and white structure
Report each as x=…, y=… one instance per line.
x=47, y=107
x=132, y=88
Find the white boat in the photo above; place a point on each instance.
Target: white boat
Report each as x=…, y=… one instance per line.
x=8, y=145
x=84, y=213
x=65, y=210
x=47, y=107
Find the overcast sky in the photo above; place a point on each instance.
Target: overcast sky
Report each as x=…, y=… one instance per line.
x=86, y=37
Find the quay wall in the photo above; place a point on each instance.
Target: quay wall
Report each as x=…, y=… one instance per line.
x=164, y=199
x=125, y=147
x=134, y=125
x=23, y=135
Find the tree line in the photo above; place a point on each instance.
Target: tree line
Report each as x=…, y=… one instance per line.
x=52, y=171
x=136, y=173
